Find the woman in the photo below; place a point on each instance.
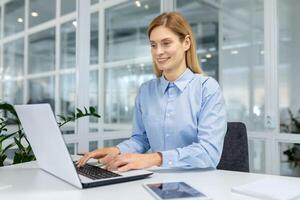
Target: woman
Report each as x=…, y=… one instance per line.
x=180, y=116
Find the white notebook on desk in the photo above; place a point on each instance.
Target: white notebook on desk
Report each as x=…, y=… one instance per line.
x=271, y=188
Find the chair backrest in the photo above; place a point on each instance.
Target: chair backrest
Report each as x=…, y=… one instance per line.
x=235, y=150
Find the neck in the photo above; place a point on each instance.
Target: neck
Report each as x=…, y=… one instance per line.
x=173, y=74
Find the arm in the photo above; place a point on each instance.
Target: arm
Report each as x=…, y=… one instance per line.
x=138, y=143
x=206, y=152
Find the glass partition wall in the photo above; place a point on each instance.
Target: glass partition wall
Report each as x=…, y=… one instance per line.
x=237, y=44
x=288, y=86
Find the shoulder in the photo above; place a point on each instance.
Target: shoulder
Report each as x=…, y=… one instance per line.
x=207, y=83
x=149, y=85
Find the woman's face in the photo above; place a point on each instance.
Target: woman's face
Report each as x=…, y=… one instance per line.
x=168, y=52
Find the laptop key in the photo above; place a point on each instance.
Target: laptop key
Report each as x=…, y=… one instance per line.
x=94, y=172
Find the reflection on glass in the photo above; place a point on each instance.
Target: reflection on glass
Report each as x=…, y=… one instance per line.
x=94, y=38
x=67, y=6
x=93, y=145
x=93, y=92
x=41, y=51
x=12, y=91
x=13, y=58
x=14, y=17
x=113, y=142
x=68, y=45
x=257, y=156
x=288, y=69
x=41, y=11
x=126, y=27
x=67, y=93
x=121, y=88
x=243, y=62
x=204, y=21
x=290, y=159
x=41, y=90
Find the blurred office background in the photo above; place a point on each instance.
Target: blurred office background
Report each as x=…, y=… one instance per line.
x=250, y=46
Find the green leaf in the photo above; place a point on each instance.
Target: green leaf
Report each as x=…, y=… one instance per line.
x=8, y=147
x=9, y=108
x=96, y=115
x=2, y=159
x=70, y=119
x=85, y=110
x=79, y=111
x=4, y=137
x=92, y=110
x=62, y=117
x=21, y=147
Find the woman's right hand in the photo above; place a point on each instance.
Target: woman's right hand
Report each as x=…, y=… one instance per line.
x=97, y=154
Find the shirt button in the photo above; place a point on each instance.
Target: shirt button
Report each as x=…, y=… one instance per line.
x=170, y=162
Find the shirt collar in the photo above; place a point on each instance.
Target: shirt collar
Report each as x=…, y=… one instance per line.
x=181, y=82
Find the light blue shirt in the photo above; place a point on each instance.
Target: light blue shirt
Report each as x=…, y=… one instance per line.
x=185, y=120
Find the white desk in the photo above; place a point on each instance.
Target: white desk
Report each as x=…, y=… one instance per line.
x=27, y=182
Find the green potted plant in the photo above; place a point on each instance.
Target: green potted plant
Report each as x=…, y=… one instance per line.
x=23, y=152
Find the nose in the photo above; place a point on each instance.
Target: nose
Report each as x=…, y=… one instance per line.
x=159, y=50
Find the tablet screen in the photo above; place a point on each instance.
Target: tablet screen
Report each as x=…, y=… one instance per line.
x=174, y=190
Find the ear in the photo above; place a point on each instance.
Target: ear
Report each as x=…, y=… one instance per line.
x=187, y=42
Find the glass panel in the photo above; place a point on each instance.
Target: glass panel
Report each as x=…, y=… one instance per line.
x=67, y=6
x=41, y=90
x=126, y=26
x=113, y=142
x=13, y=91
x=1, y=22
x=40, y=12
x=67, y=93
x=41, y=51
x=13, y=58
x=290, y=159
x=205, y=23
x=71, y=148
x=243, y=62
x=93, y=145
x=94, y=1
x=68, y=45
x=68, y=129
x=94, y=38
x=93, y=92
x=14, y=17
x=121, y=88
x=257, y=154
x=288, y=69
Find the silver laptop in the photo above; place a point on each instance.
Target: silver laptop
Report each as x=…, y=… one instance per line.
x=53, y=157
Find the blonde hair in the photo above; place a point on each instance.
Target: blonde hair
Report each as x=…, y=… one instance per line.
x=179, y=25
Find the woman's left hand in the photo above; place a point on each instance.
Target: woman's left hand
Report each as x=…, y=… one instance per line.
x=129, y=161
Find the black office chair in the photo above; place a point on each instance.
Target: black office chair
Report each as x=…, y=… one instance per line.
x=235, y=150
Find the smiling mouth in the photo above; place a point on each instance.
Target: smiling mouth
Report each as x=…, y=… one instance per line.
x=162, y=60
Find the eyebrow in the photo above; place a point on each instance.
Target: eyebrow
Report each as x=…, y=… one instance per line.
x=165, y=39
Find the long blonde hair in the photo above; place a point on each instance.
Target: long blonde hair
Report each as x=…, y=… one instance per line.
x=179, y=25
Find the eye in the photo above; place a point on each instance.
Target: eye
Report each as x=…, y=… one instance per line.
x=153, y=45
x=166, y=43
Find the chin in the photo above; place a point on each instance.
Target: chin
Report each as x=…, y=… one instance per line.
x=163, y=67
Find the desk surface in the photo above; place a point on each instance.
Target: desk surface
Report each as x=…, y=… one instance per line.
x=27, y=181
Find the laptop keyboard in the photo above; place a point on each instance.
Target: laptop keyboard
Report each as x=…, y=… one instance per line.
x=94, y=172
